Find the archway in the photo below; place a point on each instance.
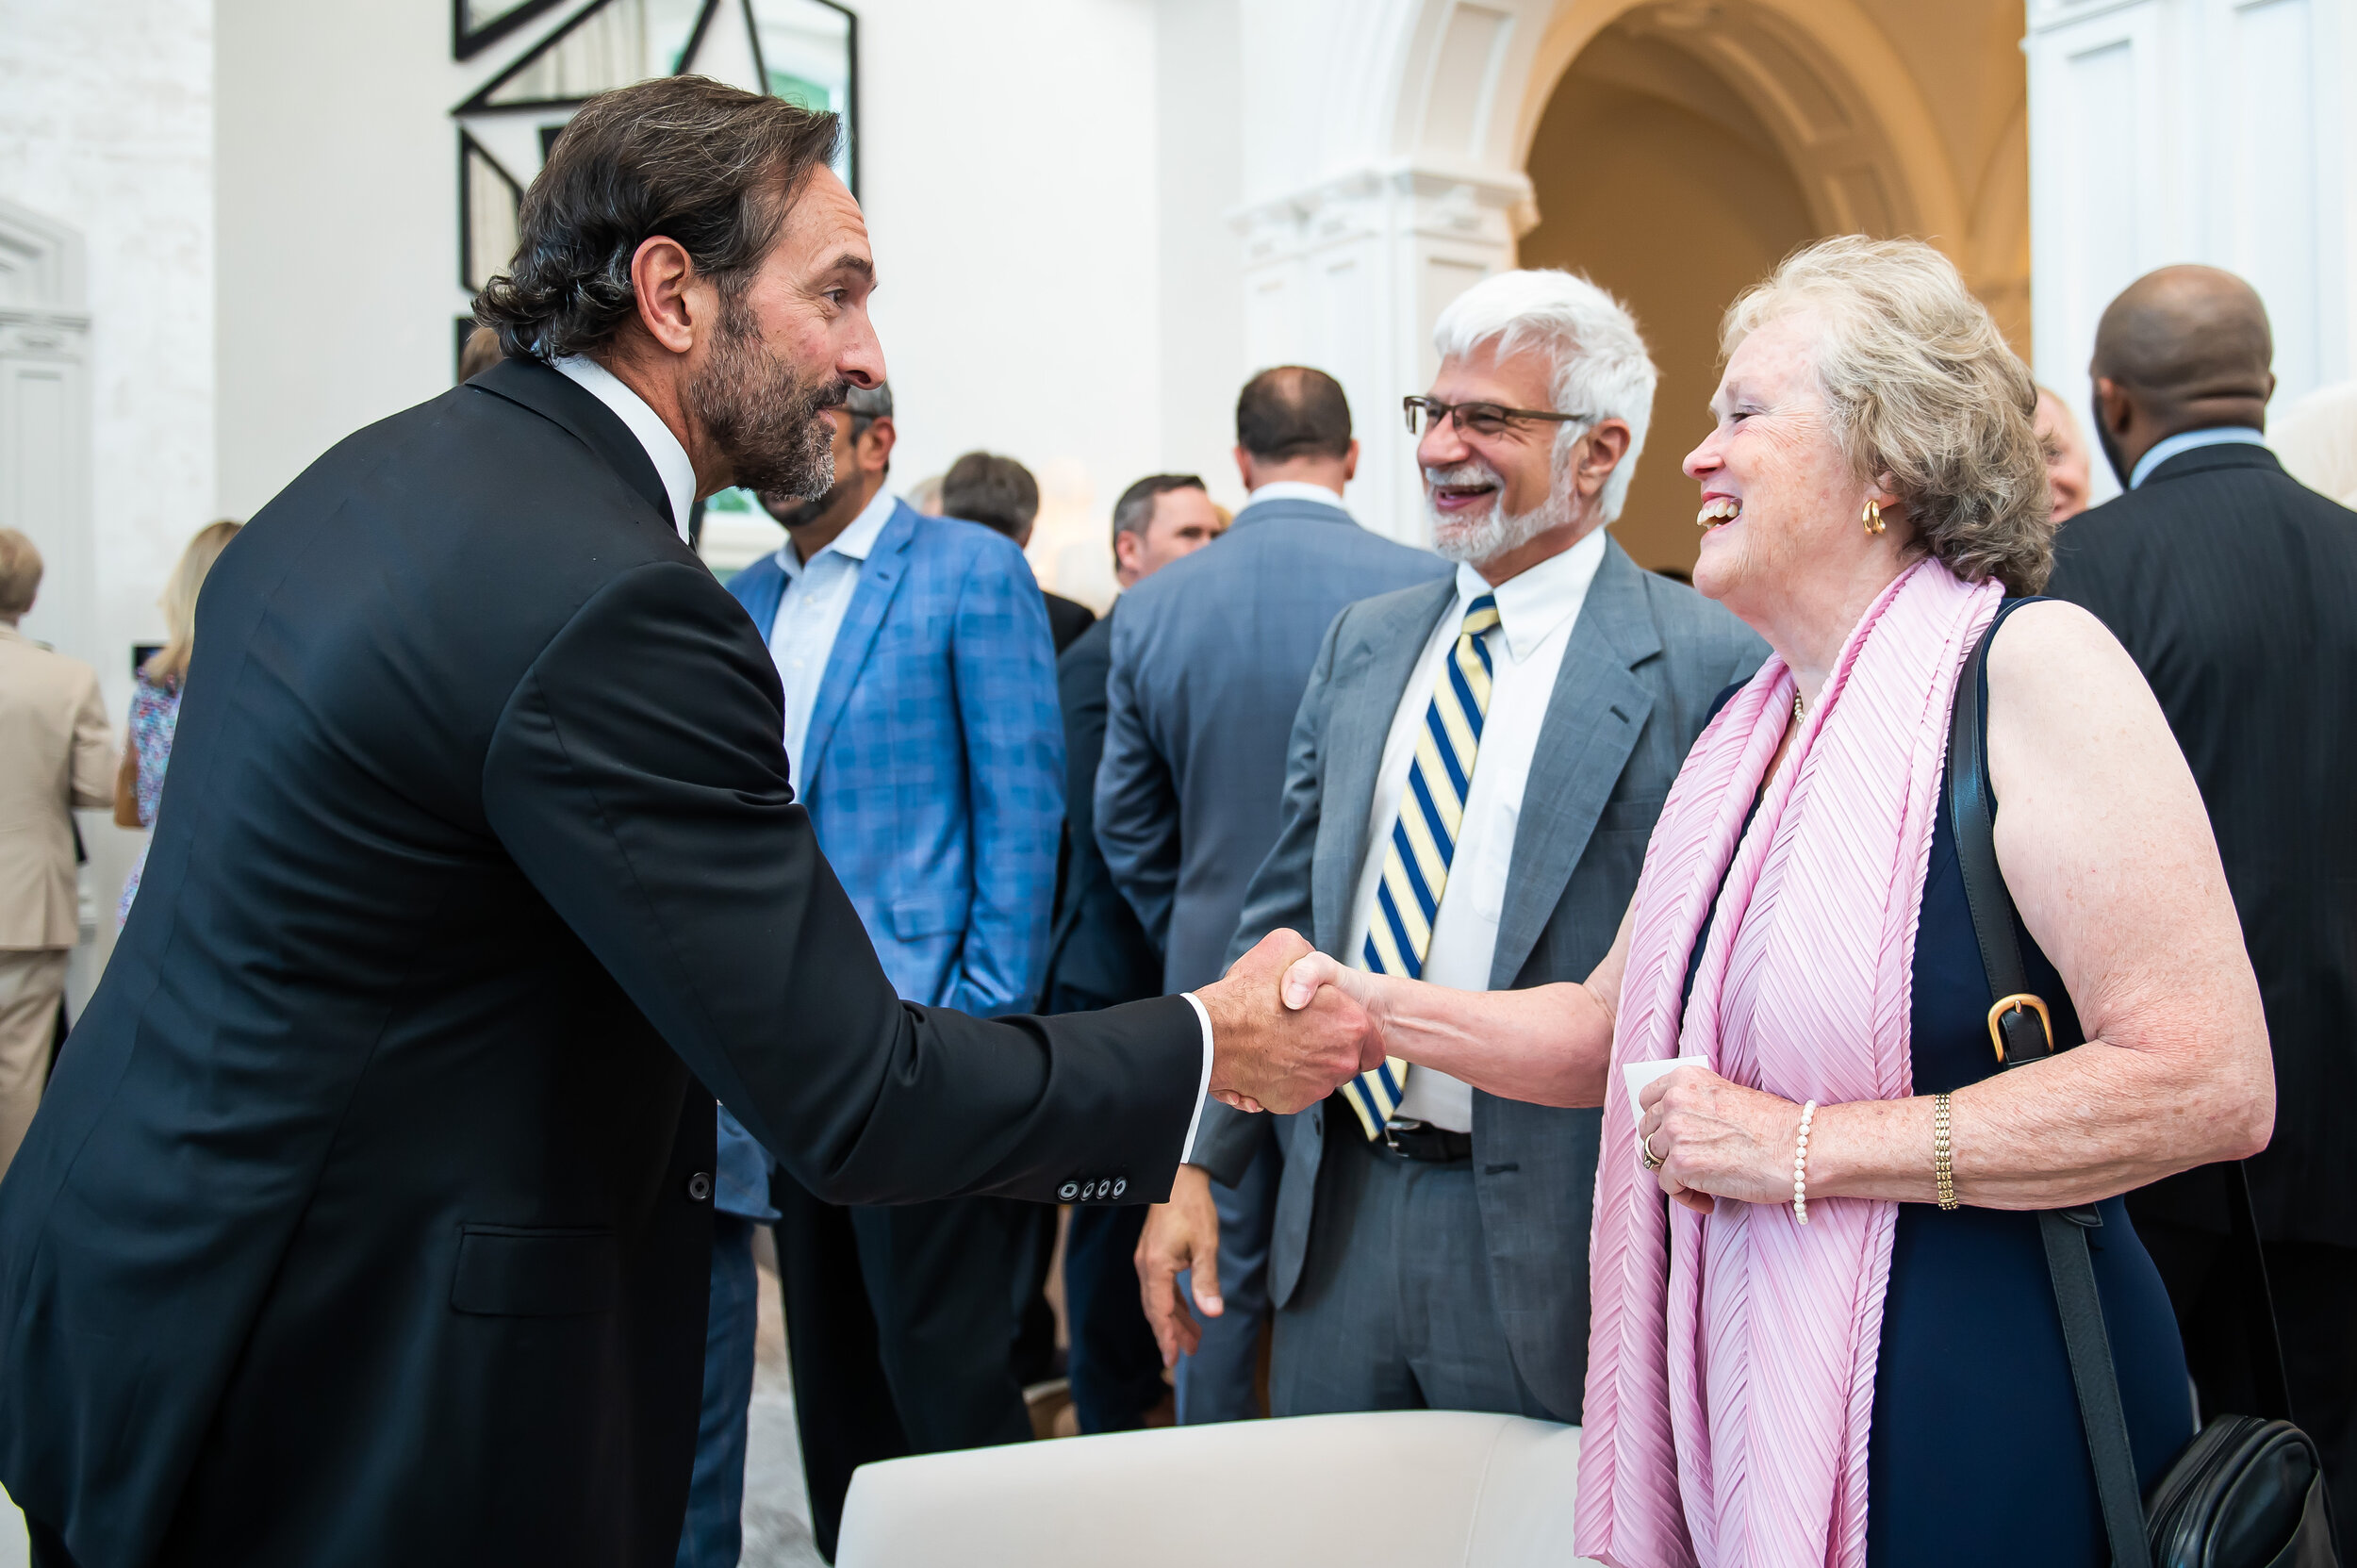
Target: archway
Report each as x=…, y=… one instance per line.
x=1656, y=180
x=1681, y=147
x=1441, y=140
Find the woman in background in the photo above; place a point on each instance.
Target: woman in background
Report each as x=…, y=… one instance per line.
x=156, y=698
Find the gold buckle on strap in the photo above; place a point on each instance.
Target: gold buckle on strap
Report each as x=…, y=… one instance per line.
x=2018, y=1000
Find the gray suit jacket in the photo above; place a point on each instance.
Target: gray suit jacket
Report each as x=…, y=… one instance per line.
x=1646, y=658
x=1209, y=656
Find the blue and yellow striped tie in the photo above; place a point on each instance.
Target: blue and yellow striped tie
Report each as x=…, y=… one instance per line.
x=1423, y=840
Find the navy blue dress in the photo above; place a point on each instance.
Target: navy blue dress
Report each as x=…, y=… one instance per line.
x=1977, y=1456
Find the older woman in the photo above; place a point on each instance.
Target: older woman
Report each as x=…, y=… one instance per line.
x=1886, y=1383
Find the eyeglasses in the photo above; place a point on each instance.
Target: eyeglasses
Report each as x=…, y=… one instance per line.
x=1479, y=419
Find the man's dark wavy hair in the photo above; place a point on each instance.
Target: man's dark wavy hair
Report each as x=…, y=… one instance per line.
x=709, y=165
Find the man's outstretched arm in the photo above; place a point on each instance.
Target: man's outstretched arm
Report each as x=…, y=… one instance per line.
x=637, y=779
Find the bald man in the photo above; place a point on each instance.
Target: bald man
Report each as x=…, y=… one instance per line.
x=2236, y=589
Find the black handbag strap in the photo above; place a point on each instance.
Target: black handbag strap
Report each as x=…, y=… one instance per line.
x=2028, y=1038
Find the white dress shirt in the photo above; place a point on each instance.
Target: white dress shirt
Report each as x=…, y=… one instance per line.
x=679, y=481
x=663, y=449
x=1297, y=490
x=1536, y=611
x=810, y=616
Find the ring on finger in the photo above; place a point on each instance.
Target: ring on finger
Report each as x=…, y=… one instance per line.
x=1645, y=1153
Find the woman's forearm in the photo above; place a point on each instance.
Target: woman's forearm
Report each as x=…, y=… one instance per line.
x=1551, y=1044
x=2090, y=1124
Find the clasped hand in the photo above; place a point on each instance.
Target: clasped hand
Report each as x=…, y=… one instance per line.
x=1270, y=1051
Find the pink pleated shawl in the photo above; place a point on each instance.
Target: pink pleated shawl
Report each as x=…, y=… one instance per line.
x=1731, y=1382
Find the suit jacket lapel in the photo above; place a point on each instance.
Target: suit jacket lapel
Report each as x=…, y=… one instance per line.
x=1367, y=686
x=556, y=396
x=1590, y=728
x=879, y=580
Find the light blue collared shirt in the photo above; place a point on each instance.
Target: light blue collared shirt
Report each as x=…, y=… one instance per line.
x=2187, y=440
x=809, y=614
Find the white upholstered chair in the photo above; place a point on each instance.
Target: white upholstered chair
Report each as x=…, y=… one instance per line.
x=1406, y=1488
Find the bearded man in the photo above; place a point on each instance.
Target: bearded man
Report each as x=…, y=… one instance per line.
x=369, y=1219
x=1474, y=771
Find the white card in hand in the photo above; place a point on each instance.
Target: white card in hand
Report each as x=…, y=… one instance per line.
x=1639, y=1074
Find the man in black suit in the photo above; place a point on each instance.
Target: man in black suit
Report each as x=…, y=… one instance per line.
x=1100, y=955
x=1000, y=492
x=367, y=1220
x=2235, y=590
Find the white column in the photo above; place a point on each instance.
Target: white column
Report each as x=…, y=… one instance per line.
x=1349, y=276
x=1383, y=177
x=2165, y=131
x=45, y=494
x=44, y=421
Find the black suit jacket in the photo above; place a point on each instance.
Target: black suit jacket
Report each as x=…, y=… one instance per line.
x=1067, y=620
x=2234, y=589
x=1099, y=954
x=369, y=1219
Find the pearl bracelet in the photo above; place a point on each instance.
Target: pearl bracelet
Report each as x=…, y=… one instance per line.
x=1800, y=1167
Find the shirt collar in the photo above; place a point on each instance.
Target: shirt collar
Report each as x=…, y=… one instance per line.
x=1297, y=490
x=853, y=543
x=2188, y=440
x=1534, y=603
x=663, y=449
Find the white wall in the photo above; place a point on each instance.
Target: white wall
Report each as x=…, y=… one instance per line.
x=338, y=225
x=2214, y=131
x=1007, y=165
x=1007, y=171
x=106, y=126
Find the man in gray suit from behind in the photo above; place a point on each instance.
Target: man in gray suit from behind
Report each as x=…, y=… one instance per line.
x=1433, y=1252
x=1209, y=656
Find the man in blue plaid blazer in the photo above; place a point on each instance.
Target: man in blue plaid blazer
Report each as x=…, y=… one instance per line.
x=925, y=738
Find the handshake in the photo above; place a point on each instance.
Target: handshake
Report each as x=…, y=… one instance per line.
x=1284, y=1033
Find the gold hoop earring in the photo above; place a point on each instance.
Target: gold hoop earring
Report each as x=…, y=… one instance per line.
x=1873, y=516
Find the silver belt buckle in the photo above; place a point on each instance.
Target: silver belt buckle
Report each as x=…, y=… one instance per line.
x=1390, y=1133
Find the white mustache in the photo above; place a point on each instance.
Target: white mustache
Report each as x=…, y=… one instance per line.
x=1471, y=471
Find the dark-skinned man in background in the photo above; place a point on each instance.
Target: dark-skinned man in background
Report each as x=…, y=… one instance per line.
x=2234, y=589
x=369, y=1221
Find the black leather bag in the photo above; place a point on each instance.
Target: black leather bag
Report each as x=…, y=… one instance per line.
x=2248, y=1491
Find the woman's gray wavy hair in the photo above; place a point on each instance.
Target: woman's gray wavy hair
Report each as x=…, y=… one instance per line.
x=1921, y=387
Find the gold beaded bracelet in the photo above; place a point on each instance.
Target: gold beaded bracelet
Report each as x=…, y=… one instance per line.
x=1943, y=1167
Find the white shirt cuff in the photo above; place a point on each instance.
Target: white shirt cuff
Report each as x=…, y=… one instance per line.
x=1186, y=1151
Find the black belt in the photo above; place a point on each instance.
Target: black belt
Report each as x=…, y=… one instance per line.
x=1437, y=1146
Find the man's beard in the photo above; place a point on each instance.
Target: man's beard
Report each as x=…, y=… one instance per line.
x=791, y=512
x=1473, y=541
x=765, y=419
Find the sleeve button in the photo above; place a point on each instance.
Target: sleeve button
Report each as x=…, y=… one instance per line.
x=1069, y=1190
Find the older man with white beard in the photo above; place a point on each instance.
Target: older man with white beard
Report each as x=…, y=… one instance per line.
x=1475, y=770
